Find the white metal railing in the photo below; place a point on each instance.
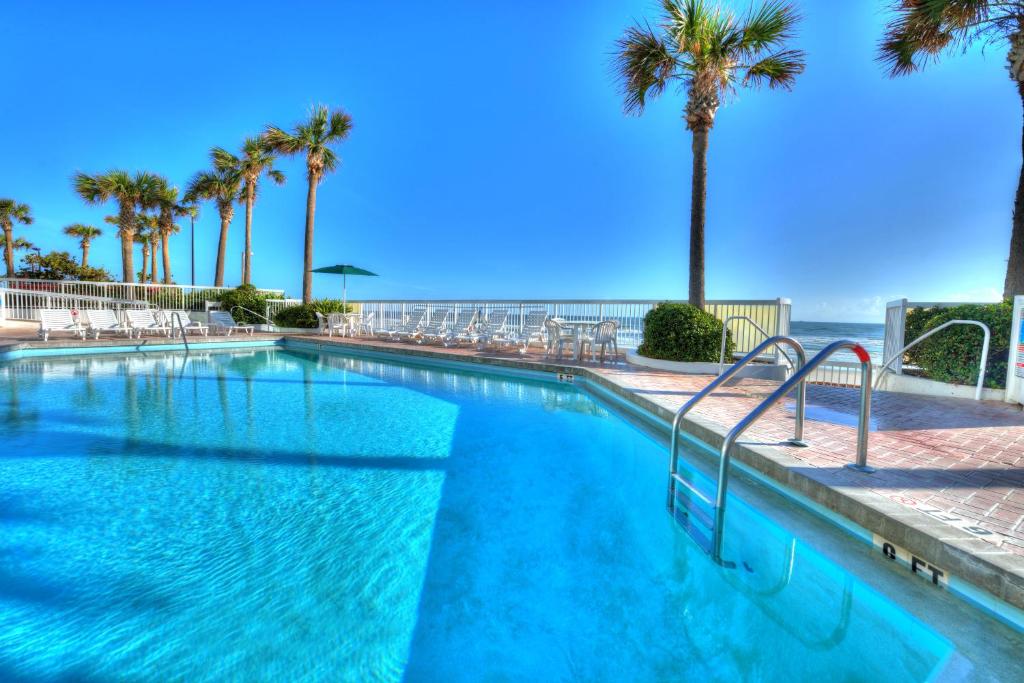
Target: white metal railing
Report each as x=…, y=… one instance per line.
x=275, y=305
x=984, y=350
x=896, y=326
x=771, y=315
x=183, y=297
x=16, y=304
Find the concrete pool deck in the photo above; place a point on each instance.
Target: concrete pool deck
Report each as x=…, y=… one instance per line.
x=949, y=486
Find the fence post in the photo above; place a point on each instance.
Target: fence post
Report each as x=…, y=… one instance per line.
x=895, y=330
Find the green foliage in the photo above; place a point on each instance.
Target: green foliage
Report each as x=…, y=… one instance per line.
x=953, y=354
x=682, y=332
x=304, y=315
x=60, y=265
x=249, y=297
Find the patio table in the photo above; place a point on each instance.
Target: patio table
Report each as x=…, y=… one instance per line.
x=577, y=327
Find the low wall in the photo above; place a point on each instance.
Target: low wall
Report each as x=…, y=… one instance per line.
x=756, y=370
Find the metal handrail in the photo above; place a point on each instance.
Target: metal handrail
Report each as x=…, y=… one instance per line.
x=181, y=326
x=797, y=379
x=258, y=315
x=725, y=331
x=801, y=399
x=984, y=352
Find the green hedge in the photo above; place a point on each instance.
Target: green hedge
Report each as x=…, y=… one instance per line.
x=304, y=315
x=249, y=297
x=953, y=354
x=682, y=332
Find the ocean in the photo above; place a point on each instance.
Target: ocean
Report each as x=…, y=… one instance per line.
x=815, y=336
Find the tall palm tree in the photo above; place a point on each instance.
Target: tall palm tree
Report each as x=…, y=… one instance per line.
x=257, y=159
x=131, y=192
x=314, y=138
x=12, y=212
x=222, y=185
x=169, y=209
x=85, y=234
x=706, y=52
x=922, y=29
x=141, y=238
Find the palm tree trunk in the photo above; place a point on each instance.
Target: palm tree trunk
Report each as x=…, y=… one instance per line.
x=164, y=238
x=126, y=222
x=307, y=259
x=222, y=246
x=698, y=202
x=85, y=253
x=250, y=198
x=152, y=263
x=145, y=263
x=9, y=249
x=1014, y=283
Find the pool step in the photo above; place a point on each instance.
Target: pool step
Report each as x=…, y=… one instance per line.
x=694, y=511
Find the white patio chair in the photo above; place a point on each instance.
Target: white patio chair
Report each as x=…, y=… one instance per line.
x=58, y=320
x=464, y=324
x=190, y=325
x=410, y=327
x=603, y=334
x=363, y=324
x=222, y=321
x=436, y=328
x=321, y=323
x=104, y=320
x=331, y=323
x=558, y=338
x=532, y=331
x=143, y=320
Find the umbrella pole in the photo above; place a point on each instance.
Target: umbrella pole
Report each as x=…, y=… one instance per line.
x=344, y=293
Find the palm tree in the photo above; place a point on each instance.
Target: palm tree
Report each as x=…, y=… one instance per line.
x=921, y=30
x=86, y=234
x=131, y=194
x=256, y=159
x=170, y=208
x=12, y=212
x=222, y=185
x=314, y=138
x=142, y=238
x=707, y=53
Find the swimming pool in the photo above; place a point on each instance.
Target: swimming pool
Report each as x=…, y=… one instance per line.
x=282, y=514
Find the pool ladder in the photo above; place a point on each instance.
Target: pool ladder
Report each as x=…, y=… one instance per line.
x=702, y=517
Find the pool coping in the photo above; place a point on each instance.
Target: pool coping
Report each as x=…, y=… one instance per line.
x=966, y=558
x=986, y=576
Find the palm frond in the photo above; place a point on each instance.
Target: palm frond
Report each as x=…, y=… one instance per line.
x=769, y=26
x=778, y=70
x=644, y=65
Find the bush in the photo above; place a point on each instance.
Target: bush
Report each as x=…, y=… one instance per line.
x=683, y=332
x=953, y=354
x=249, y=297
x=304, y=315
x=60, y=265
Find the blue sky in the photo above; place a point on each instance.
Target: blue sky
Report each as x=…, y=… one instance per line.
x=490, y=156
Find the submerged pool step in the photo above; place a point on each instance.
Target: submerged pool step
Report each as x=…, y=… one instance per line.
x=694, y=511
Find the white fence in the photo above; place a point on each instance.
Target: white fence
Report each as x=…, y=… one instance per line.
x=25, y=305
x=896, y=325
x=772, y=315
x=23, y=298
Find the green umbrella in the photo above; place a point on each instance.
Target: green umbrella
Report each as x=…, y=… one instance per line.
x=344, y=271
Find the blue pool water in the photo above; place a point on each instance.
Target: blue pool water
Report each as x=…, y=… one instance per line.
x=282, y=515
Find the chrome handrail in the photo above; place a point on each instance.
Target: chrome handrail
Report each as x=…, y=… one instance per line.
x=725, y=330
x=184, y=336
x=258, y=315
x=863, y=426
x=984, y=352
x=801, y=400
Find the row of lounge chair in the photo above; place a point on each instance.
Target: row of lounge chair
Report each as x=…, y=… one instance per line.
x=133, y=323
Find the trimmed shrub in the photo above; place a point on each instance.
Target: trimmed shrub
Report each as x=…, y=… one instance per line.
x=682, y=332
x=304, y=315
x=249, y=297
x=953, y=354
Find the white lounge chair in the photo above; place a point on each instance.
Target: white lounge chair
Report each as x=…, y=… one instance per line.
x=223, y=322
x=532, y=331
x=492, y=327
x=143, y=320
x=58, y=320
x=437, y=328
x=410, y=327
x=103, y=320
x=464, y=324
x=190, y=325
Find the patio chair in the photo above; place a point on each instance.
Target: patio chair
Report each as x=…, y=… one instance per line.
x=407, y=329
x=436, y=328
x=223, y=321
x=330, y=323
x=465, y=322
x=363, y=325
x=603, y=334
x=558, y=338
x=143, y=320
x=104, y=320
x=58, y=320
x=186, y=322
x=491, y=328
x=532, y=331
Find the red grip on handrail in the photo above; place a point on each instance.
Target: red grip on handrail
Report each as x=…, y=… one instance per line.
x=862, y=354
